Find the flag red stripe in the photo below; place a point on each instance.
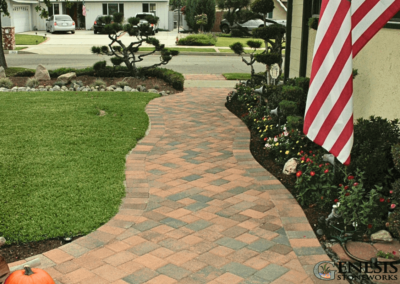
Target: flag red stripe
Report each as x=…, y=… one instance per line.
x=362, y=11
x=336, y=111
x=343, y=138
x=375, y=27
x=347, y=161
x=328, y=84
x=322, y=10
x=329, y=38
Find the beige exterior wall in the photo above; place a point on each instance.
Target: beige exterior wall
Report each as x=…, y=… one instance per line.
x=279, y=12
x=296, y=38
x=375, y=89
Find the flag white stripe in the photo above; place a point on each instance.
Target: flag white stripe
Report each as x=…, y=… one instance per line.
x=370, y=18
x=323, y=26
x=329, y=60
x=345, y=153
x=331, y=99
x=355, y=4
x=339, y=126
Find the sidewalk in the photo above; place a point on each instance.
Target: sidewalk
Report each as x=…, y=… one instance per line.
x=198, y=208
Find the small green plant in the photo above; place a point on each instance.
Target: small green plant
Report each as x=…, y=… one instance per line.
x=199, y=39
x=325, y=269
x=99, y=65
x=122, y=84
x=98, y=83
x=32, y=83
x=59, y=83
x=6, y=83
x=388, y=255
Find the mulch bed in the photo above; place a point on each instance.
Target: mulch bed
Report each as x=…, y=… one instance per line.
x=149, y=83
x=261, y=156
x=15, y=252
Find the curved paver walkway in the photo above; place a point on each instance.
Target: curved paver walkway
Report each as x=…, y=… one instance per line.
x=198, y=209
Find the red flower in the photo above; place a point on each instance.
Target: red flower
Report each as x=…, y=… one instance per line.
x=327, y=164
x=340, y=185
x=369, y=226
x=336, y=200
x=350, y=177
x=326, y=171
x=381, y=199
x=311, y=161
x=346, y=187
x=392, y=206
x=355, y=184
x=320, y=166
x=299, y=173
x=310, y=152
x=313, y=155
x=347, y=194
x=265, y=139
x=302, y=158
x=394, y=252
x=389, y=201
x=301, y=152
x=391, y=192
x=308, y=159
x=312, y=174
x=322, y=198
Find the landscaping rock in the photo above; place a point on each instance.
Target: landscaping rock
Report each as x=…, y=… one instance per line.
x=21, y=89
x=112, y=86
x=153, y=91
x=85, y=89
x=14, y=88
x=41, y=73
x=381, y=236
x=2, y=89
x=2, y=72
x=71, y=89
x=127, y=89
x=118, y=90
x=56, y=88
x=134, y=90
x=40, y=86
x=290, y=166
x=110, y=89
x=64, y=88
x=168, y=92
x=163, y=93
x=51, y=90
x=68, y=77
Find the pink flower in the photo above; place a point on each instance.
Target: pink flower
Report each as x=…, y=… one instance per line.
x=320, y=166
x=326, y=171
x=392, y=206
x=391, y=192
x=355, y=184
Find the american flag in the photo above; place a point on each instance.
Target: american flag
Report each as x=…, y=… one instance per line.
x=344, y=29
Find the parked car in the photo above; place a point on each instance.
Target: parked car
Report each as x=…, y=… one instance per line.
x=250, y=25
x=60, y=23
x=98, y=25
x=142, y=16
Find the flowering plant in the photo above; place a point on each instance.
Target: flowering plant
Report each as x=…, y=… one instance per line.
x=314, y=184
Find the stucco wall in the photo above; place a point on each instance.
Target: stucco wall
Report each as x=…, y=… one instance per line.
x=296, y=38
x=375, y=89
x=279, y=12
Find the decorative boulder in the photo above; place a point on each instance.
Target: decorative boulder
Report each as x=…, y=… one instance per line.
x=290, y=167
x=68, y=77
x=41, y=73
x=381, y=236
x=2, y=72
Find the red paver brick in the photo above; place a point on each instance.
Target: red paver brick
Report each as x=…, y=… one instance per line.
x=151, y=261
x=120, y=258
x=58, y=256
x=110, y=272
x=77, y=276
x=228, y=278
x=118, y=246
x=88, y=261
x=161, y=279
x=181, y=257
x=102, y=253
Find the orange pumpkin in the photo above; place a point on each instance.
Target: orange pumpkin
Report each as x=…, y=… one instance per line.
x=29, y=276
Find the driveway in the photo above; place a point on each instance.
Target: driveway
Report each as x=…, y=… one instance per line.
x=82, y=41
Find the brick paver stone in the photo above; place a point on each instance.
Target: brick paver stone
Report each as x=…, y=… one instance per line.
x=198, y=209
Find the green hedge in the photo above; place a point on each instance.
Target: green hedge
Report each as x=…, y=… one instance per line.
x=175, y=79
x=201, y=39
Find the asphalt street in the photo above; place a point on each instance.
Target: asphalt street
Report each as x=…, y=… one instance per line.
x=186, y=64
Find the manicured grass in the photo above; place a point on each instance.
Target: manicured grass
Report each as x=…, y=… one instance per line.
x=181, y=49
x=227, y=41
x=61, y=164
x=11, y=71
x=231, y=51
x=28, y=39
x=237, y=76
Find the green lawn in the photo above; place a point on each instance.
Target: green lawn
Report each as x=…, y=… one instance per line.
x=237, y=76
x=61, y=164
x=28, y=39
x=181, y=49
x=227, y=41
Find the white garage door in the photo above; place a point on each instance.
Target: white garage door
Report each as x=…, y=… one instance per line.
x=21, y=19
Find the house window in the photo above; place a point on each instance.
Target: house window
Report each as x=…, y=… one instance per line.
x=316, y=7
x=149, y=8
x=112, y=8
x=54, y=9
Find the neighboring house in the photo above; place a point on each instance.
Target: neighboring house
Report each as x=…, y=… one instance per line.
x=24, y=17
x=375, y=89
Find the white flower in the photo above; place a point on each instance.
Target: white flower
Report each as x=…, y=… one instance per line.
x=275, y=139
x=355, y=224
x=268, y=145
x=286, y=133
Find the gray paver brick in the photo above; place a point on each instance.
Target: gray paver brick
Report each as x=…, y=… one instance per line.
x=231, y=243
x=174, y=223
x=261, y=245
x=140, y=276
x=173, y=271
x=271, y=272
x=239, y=269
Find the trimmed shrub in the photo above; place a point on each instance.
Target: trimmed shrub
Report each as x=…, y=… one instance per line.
x=175, y=79
x=237, y=33
x=32, y=83
x=371, y=152
x=6, y=83
x=200, y=39
x=99, y=65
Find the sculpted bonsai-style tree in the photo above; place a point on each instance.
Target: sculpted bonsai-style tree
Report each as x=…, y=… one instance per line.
x=126, y=53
